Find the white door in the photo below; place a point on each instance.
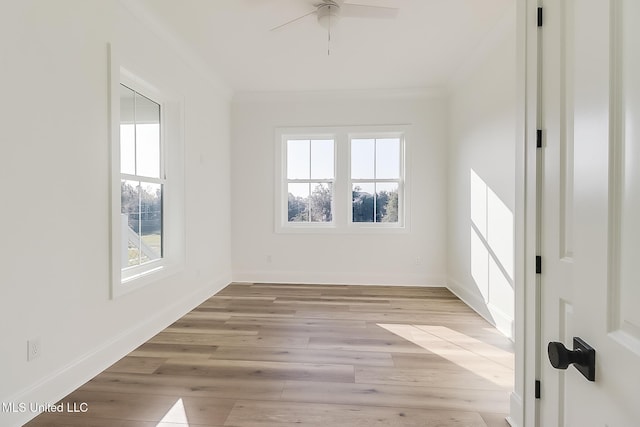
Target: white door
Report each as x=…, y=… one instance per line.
x=590, y=209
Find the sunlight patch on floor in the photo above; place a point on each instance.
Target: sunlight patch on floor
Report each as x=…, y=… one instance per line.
x=459, y=349
x=176, y=416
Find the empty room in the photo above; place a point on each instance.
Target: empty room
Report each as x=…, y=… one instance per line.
x=268, y=213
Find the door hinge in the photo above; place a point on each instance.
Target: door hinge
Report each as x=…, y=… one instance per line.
x=539, y=17
x=538, y=264
x=537, y=389
x=539, y=138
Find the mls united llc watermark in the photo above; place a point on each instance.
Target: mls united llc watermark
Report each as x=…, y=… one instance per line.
x=34, y=407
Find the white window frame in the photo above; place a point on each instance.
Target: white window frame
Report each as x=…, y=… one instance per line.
x=127, y=279
x=342, y=184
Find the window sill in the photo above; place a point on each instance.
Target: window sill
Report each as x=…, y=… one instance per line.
x=144, y=278
x=359, y=228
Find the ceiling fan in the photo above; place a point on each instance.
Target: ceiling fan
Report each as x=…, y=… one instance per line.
x=329, y=11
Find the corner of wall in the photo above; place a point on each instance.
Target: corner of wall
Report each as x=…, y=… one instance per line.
x=503, y=323
x=148, y=18
x=502, y=28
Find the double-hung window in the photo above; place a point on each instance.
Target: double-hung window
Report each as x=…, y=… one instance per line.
x=142, y=181
x=341, y=179
x=310, y=180
x=376, y=179
x=147, y=182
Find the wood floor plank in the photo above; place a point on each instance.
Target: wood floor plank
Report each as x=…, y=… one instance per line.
x=168, y=351
x=215, y=326
x=365, y=303
x=201, y=328
x=331, y=357
x=208, y=315
x=468, y=361
x=189, y=386
x=240, y=301
x=297, y=322
x=455, y=377
x=313, y=306
x=137, y=365
x=326, y=332
x=390, y=344
x=250, y=311
x=244, y=369
x=220, y=340
x=431, y=303
x=424, y=397
x=391, y=317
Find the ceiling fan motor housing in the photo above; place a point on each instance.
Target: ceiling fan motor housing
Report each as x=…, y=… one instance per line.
x=328, y=13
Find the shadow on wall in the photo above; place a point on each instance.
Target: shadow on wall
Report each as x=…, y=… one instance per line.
x=492, y=247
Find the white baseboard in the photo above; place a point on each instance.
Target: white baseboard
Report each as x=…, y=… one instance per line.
x=68, y=378
x=516, y=412
x=502, y=322
x=490, y=313
x=343, y=278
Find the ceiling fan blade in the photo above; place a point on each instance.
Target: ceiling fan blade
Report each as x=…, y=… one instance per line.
x=293, y=20
x=352, y=10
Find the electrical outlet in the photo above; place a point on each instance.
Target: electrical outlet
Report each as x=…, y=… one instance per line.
x=418, y=261
x=34, y=349
x=269, y=259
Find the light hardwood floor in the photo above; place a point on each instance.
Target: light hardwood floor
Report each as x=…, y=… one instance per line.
x=266, y=355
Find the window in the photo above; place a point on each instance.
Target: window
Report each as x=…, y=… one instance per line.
x=342, y=179
x=310, y=177
x=375, y=179
x=142, y=181
x=147, y=182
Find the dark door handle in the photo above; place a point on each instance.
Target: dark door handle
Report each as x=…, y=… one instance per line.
x=583, y=356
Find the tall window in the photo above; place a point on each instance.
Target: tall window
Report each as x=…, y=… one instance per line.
x=376, y=172
x=142, y=182
x=310, y=180
x=147, y=207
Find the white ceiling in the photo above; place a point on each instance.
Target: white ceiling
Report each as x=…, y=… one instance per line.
x=421, y=48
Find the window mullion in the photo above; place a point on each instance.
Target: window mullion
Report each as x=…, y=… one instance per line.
x=375, y=186
x=310, y=174
x=135, y=170
x=142, y=178
x=139, y=223
x=161, y=151
x=305, y=181
x=135, y=134
x=368, y=181
x=309, y=204
x=375, y=202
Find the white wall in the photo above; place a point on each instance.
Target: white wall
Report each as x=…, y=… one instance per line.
x=54, y=184
x=337, y=258
x=481, y=174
